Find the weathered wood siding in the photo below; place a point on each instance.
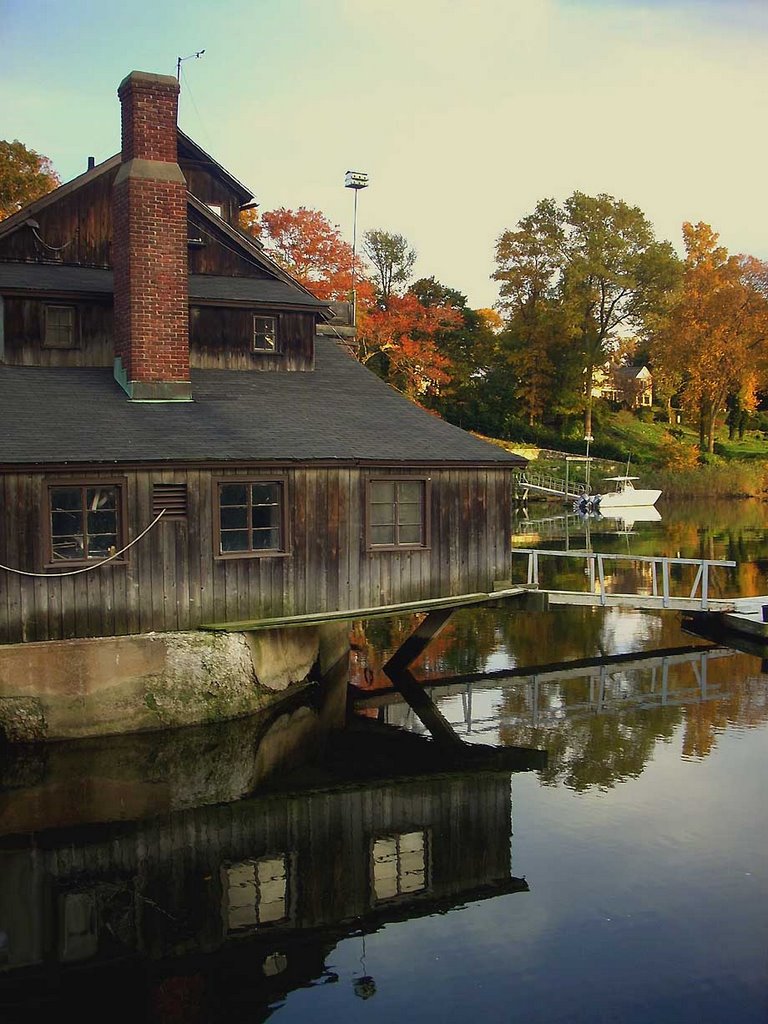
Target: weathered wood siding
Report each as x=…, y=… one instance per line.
x=173, y=581
x=25, y=333
x=222, y=339
x=78, y=225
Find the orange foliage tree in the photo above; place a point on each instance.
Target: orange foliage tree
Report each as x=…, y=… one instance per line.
x=399, y=342
x=715, y=338
x=310, y=248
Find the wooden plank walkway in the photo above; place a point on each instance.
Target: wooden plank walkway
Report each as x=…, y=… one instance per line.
x=380, y=611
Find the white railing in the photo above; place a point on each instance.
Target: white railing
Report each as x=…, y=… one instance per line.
x=659, y=565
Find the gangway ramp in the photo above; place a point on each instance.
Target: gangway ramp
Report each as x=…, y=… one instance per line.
x=735, y=613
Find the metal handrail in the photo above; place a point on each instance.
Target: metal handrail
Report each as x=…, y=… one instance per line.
x=596, y=567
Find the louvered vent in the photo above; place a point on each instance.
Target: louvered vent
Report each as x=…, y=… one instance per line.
x=172, y=498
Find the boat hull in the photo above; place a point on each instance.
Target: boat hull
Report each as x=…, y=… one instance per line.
x=633, y=498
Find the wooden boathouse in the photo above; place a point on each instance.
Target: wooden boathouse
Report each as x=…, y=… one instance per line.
x=183, y=438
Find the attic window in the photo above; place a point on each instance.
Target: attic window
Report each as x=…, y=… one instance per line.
x=216, y=208
x=172, y=498
x=265, y=334
x=60, y=327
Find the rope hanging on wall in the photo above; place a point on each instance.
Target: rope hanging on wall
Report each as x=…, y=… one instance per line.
x=87, y=568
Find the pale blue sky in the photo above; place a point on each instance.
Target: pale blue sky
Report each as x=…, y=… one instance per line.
x=463, y=115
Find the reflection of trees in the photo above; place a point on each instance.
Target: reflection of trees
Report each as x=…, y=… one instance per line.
x=745, y=706
x=596, y=751
x=589, y=748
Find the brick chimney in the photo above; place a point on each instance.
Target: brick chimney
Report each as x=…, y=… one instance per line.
x=149, y=245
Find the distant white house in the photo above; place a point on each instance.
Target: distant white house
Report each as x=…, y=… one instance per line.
x=631, y=385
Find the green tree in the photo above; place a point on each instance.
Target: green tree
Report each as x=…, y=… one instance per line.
x=616, y=276
x=574, y=278
x=24, y=176
x=392, y=259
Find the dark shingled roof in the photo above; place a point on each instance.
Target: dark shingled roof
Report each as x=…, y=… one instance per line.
x=340, y=411
x=58, y=278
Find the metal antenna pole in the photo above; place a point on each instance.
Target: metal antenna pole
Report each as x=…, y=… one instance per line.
x=197, y=55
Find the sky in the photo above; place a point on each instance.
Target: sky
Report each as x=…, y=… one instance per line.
x=463, y=114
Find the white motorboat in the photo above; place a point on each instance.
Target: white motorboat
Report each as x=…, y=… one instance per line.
x=624, y=495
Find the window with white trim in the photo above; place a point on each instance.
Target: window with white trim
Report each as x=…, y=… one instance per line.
x=265, y=334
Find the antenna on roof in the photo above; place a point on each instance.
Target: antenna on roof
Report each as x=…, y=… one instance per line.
x=180, y=59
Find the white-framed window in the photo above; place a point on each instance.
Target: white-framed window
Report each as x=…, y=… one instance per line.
x=265, y=334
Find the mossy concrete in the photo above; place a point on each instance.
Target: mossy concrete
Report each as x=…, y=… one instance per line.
x=70, y=689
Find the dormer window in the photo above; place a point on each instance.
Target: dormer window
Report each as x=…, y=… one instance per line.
x=60, y=327
x=216, y=208
x=265, y=334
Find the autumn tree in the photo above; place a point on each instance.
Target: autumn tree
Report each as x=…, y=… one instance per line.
x=392, y=259
x=24, y=176
x=715, y=338
x=309, y=247
x=398, y=342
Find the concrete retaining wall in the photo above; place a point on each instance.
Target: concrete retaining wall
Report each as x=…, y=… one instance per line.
x=70, y=689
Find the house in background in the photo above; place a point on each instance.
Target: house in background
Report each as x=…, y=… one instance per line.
x=627, y=385
x=184, y=439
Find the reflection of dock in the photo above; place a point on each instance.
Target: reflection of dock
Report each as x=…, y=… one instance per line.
x=615, y=683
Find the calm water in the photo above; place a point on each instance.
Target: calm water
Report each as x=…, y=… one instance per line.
x=203, y=877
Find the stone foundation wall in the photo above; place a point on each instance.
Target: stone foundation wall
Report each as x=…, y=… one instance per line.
x=70, y=689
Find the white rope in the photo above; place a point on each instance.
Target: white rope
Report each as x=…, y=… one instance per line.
x=88, y=568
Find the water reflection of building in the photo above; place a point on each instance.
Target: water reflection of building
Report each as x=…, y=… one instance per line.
x=272, y=882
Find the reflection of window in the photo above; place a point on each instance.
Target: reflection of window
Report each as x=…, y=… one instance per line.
x=250, y=517
x=60, y=327
x=255, y=892
x=79, y=938
x=397, y=513
x=399, y=865
x=265, y=333
x=85, y=521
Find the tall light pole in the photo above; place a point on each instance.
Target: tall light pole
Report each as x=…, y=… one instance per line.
x=355, y=180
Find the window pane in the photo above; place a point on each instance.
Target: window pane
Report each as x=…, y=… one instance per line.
x=410, y=534
x=264, y=517
x=265, y=494
x=67, y=547
x=66, y=523
x=410, y=490
x=66, y=498
x=409, y=514
x=382, y=515
x=234, y=517
x=266, y=540
x=233, y=494
x=101, y=497
x=234, y=540
x=383, y=490
x=102, y=522
x=382, y=535
x=102, y=545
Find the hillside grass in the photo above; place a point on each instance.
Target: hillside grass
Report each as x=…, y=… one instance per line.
x=660, y=456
